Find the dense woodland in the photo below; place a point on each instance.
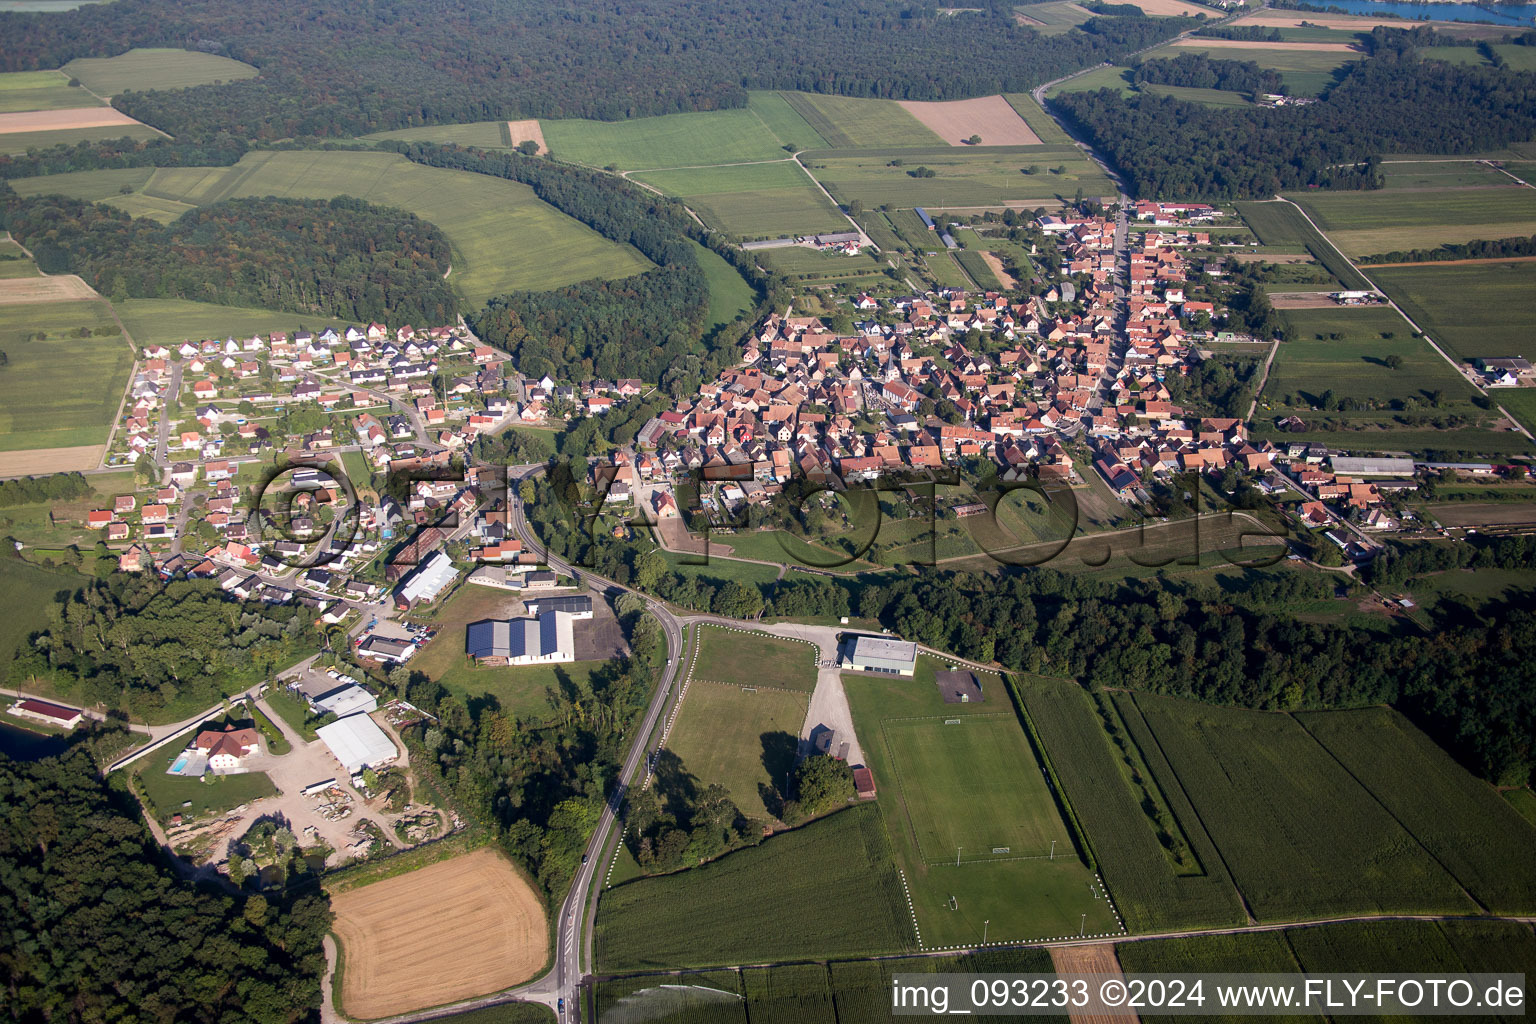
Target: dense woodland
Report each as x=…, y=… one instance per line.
x=330, y=68
x=339, y=257
x=97, y=928
x=1390, y=103
x=1198, y=71
x=220, y=150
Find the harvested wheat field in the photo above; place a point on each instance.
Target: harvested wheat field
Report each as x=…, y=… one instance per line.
x=1259, y=44
x=16, y=291
x=38, y=461
x=53, y=120
x=1169, y=8
x=995, y=264
x=519, y=132
x=1099, y=959
x=463, y=927
x=991, y=117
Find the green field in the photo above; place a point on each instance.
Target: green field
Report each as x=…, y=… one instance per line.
x=1443, y=172
x=506, y=1013
x=30, y=590
x=64, y=390
x=146, y=69
x=1516, y=58
x=931, y=792
x=171, y=321
x=1301, y=836
x=1307, y=72
x=1056, y=17
x=1110, y=77
x=755, y=659
x=962, y=177
x=1150, y=889
x=1367, y=223
x=1352, y=365
x=729, y=293
x=1210, y=97
x=1523, y=800
x=478, y=213
x=153, y=207
x=754, y=200
x=815, y=267
x=848, y=122
x=1042, y=124
x=672, y=140
x=1461, y=821
x=743, y=741
x=1282, y=224
x=786, y=124
x=481, y=134
x=1472, y=310
x=92, y=186
x=41, y=90
x=834, y=890
x=12, y=269
x=16, y=143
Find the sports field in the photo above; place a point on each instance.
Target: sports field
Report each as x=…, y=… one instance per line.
x=61, y=390
x=146, y=69
x=834, y=891
x=1345, y=350
x=478, y=213
x=1366, y=223
x=458, y=928
x=754, y=659
x=754, y=200
x=742, y=740
x=41, y=90
x=1025, y=175
x=848, y=122
x=1471, y=310
x=1301, y=836
x=672, y=140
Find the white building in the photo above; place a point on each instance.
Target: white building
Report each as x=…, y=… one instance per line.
x=548, y=639
x=429, y=579
x=357, y=743
x=880, y=654
x=348, y=700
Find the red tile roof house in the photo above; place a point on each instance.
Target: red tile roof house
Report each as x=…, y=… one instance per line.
x=226, y=748
x=98, y=519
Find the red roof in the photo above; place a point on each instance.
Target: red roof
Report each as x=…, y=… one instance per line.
x=42, y=707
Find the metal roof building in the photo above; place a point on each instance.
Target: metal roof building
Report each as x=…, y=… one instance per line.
x=577, y=606
x=430, y=579
x=880, y=654
x=1372, y=466
x=348, y=700
x=357, y=743
x=548, y=638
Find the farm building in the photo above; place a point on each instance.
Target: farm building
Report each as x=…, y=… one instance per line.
x=863, y=783
x=547, y=639
x=43, y=711
x=429, y=580
x=382, y=648
x=1372, y=466
x=577, y=607
x=879, y=654
x=922, y=215
x=357, y=743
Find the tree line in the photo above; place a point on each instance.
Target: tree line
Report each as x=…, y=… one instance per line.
x=1389, y=103
x=33, y=490
x=1478, y=249
x=340, y=257
x=336, y=70
x=1197, y=71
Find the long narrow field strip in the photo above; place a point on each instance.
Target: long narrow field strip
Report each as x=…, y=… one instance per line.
x=145, y=69
x=1281, y=224
x=784, y=121
x=1042, y=124
x=1301, y=837
x=483, y=134
x=1365, y=223
x=1255, y=44
x=39, y=461
x=41, y=90
x=92, y=186
x=671, y=140
x=56, y=288
x=20, y=142
x=57, y=120
x=462, y=927
x=852, y=122
x=989, y=117
x=59, y=390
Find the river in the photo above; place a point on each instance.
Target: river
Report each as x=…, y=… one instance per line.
x=1516, y=15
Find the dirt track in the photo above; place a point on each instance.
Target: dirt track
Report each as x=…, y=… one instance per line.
x=52, y=120
x=1302, y=300
x=16, y=291
x=459, y=928
x=991, y=117
x=1009, y=281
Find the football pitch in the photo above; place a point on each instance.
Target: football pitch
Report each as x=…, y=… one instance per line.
x=972, y=789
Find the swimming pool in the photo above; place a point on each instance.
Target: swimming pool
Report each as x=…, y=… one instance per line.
x=181, y=762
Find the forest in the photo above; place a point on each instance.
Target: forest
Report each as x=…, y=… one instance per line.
x=1198, y=71
x=1389, y=103
x=337, y=257
x=99, y=929
x=336, y=69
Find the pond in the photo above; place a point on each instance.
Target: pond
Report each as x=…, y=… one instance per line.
x=26, y=745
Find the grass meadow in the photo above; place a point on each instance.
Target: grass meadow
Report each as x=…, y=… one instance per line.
x=962, y=177
x=1307, y=71
x=1441, y=172
x=145, y=69
x=815, y=267
x=1281, y=224
x=849, y=122
x=743, y=741
x=480, y=134
x=835, y=891
x=729, y=293
x=1055, y=18
x=171, y=321
x=1472, y=310
x=92, y=186
x=670, y=140
x=481, y=215
x=752, y=201
x=16, y=143
x=784, y=121
x=754, y=659
x=1366, y=223
x=41, y=90
x=167, y=793
x=30, y=590
x=1344, y=349
x=63, y=390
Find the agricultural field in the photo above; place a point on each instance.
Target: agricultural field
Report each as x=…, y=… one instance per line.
x=1461, y=821
x=478, y=213
x=1210, y=97
x=848, y=122
x=1344, y=350
x=167, y=321
x=1281, y=224
x=1307, y=68
x=1520, y=403
x=14, y=143
x=989, y=118
x=505, y=1013
x=1471, y=310
x=458, y=928
x=145, y=69
x=835, y=892
x=481, y=134
x=1110, y=77
x=1053, y=18
x=692, y=997
x=934, y=787
x=742, y=740
x=729, y=293
x=1094, y=767
x=92, y=186
x=1440, y=172
x=1021, y=176
x=30, y=590
x=1301, y=837
x=1516, y=58
x=754, y=659
x=752, y=201
x=815, y=267
x=61, y=390
x=41, y=90
x=784, y=121
x=1042, y=124
x=1367, y=223
x=671, y=140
